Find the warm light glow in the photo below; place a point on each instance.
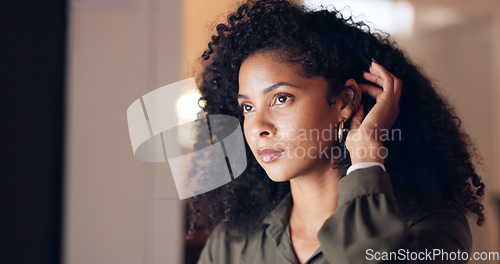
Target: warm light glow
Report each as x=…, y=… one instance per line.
x=187, y=111
x=187, y=107
x=393, y=17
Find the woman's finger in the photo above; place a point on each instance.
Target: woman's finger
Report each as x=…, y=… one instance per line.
x=373, y=78
x=371, y=90
x=357, y=119
x=384, y=77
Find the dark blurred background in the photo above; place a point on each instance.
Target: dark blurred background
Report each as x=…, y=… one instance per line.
x=33, y=41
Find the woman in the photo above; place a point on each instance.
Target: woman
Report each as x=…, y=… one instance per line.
x=400, y=179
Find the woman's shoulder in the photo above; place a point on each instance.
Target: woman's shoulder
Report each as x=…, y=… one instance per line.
x=442, y=226
x=217, y=248
x=232, y=246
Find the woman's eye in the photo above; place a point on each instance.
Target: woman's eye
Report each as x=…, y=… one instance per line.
x=246, y=108
x=282, y=98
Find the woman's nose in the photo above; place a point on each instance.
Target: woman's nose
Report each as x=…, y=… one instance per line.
x=262, y=125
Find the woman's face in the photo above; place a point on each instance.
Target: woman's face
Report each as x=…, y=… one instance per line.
x=289, y=124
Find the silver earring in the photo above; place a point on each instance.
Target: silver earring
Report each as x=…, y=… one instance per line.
x=333, y=103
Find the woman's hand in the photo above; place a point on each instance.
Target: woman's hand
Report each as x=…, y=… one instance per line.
x=364, y=139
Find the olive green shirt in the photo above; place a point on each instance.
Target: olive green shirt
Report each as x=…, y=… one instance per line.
x=364, y=227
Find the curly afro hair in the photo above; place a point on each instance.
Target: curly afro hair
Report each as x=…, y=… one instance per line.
x=432, y=163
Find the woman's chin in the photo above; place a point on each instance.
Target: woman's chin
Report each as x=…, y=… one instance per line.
x=278, y=176
x=278, y=179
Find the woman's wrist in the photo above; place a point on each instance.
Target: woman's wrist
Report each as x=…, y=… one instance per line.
x=373, y=152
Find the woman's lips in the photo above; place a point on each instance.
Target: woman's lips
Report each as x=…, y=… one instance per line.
x=269, y=154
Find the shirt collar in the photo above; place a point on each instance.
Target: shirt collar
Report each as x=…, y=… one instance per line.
x=277, y=220
x=279, y=231
x=281, y=213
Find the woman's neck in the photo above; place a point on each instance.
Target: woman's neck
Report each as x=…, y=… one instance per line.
x=315, y=199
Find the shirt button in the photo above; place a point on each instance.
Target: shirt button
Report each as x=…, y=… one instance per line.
x=274, y=230
x=283, y=246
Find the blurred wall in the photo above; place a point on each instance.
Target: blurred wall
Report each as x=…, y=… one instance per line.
x=198, y=23
x=118, y=209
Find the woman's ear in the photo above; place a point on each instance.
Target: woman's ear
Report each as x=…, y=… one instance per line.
x=350, y=99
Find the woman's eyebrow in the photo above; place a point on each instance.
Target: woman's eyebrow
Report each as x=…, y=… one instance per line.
x=270, y=88
x=274, y=86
